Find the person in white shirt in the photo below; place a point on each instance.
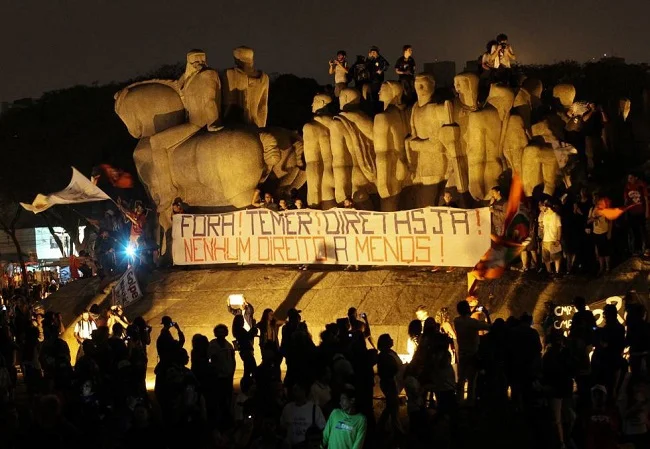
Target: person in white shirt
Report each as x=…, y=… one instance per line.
x=84, y=328
x=299, y=415
x=550, y=226
x=339, y=68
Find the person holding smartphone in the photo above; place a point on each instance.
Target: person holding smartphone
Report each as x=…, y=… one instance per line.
x=166, y=343
x=467, y=333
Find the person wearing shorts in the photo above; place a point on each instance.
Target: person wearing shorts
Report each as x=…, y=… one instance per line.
x=601, y=229
x=551, y=228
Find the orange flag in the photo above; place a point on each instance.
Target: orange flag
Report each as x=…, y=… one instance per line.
x=117, y=177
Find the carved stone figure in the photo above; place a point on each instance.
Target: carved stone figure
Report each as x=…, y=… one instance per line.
x=201, y=91
x=245, y=91
x=318, y=155
x=353, y=153
x=486, y=135
x=466, y=86
x=426, y=152
x=390, y=129
x=539, y=166
x=214, y=169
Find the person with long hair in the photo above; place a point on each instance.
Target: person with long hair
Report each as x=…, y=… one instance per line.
x=244, y=346
x=444, y=320
x=268, y=327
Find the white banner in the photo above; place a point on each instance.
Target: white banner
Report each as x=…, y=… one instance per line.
x=80, y=190
x=127, y=290
x=428, y=236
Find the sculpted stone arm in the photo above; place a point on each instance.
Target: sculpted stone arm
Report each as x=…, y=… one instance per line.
x=263, y=107
x=384, y=159
x=476, y=156
x=341, y=162
x=314, y=163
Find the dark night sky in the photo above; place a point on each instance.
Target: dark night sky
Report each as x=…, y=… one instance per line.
x=52, y=44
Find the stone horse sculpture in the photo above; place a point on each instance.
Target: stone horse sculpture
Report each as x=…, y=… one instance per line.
x=177, y=159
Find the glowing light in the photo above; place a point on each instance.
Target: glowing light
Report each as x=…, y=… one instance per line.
x=130, y=251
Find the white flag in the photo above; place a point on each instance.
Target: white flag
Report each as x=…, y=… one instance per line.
x=80, y=190
x=127, y=290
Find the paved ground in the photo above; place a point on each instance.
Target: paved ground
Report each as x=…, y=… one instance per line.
x=196, y=298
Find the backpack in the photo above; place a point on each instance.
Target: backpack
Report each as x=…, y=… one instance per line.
x=313, y=435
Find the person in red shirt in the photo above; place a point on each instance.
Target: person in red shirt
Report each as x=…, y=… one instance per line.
x=636, y=197
x=601, y=422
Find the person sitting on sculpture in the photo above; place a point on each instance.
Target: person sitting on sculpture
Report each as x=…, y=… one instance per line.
x=339, y=68
x=405, y=69
x=360, y=75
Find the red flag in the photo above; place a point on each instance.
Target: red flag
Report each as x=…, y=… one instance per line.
x=117, y=177
x=604, y=209
x=506, y=247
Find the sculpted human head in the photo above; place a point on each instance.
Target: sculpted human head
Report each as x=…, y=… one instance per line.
x=533, y=86
x=196, y=59
x=348, y=97
x=466, y=85
x=320, y=101
x=565, y=93
x=244, y=57
x=425, y=86
x=502, y=98
x=390, y=93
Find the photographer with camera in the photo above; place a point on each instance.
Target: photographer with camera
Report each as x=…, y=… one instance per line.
x=339, y=68
x=505, y=53
x=166, y=345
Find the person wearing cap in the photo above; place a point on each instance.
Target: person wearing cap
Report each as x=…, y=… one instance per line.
x=166, y=343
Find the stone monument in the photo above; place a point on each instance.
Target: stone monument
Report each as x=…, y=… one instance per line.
x=201, y=91
x=245, y=91
x=353, y=152
x=390, y=129
x=426, y=152
x=318, y=155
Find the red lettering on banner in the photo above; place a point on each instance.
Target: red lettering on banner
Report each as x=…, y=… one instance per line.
x=196, y=241
x=360, y=248
x=373, y=239
x=277, y=249
x=320, y=250
x=393, y=249
x=259, y=249
x=423, y=247
x=208, y=248
x=287, y=250
x=407, y=238
x=189, y=251
x=244, y=248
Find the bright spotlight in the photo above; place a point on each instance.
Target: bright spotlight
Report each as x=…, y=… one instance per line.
x=130, y=251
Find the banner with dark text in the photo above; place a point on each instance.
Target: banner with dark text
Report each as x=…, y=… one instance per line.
x=428, y=236
x=127, y=290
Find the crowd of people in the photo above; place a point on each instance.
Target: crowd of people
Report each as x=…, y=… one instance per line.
x=585, y=388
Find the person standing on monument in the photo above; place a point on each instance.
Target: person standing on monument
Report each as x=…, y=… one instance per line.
x=339, y=68
x=377, y=66
x=551, y=229
x=405, y=69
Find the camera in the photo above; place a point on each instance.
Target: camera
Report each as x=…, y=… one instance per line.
x=173, y=323
x=364, y=316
